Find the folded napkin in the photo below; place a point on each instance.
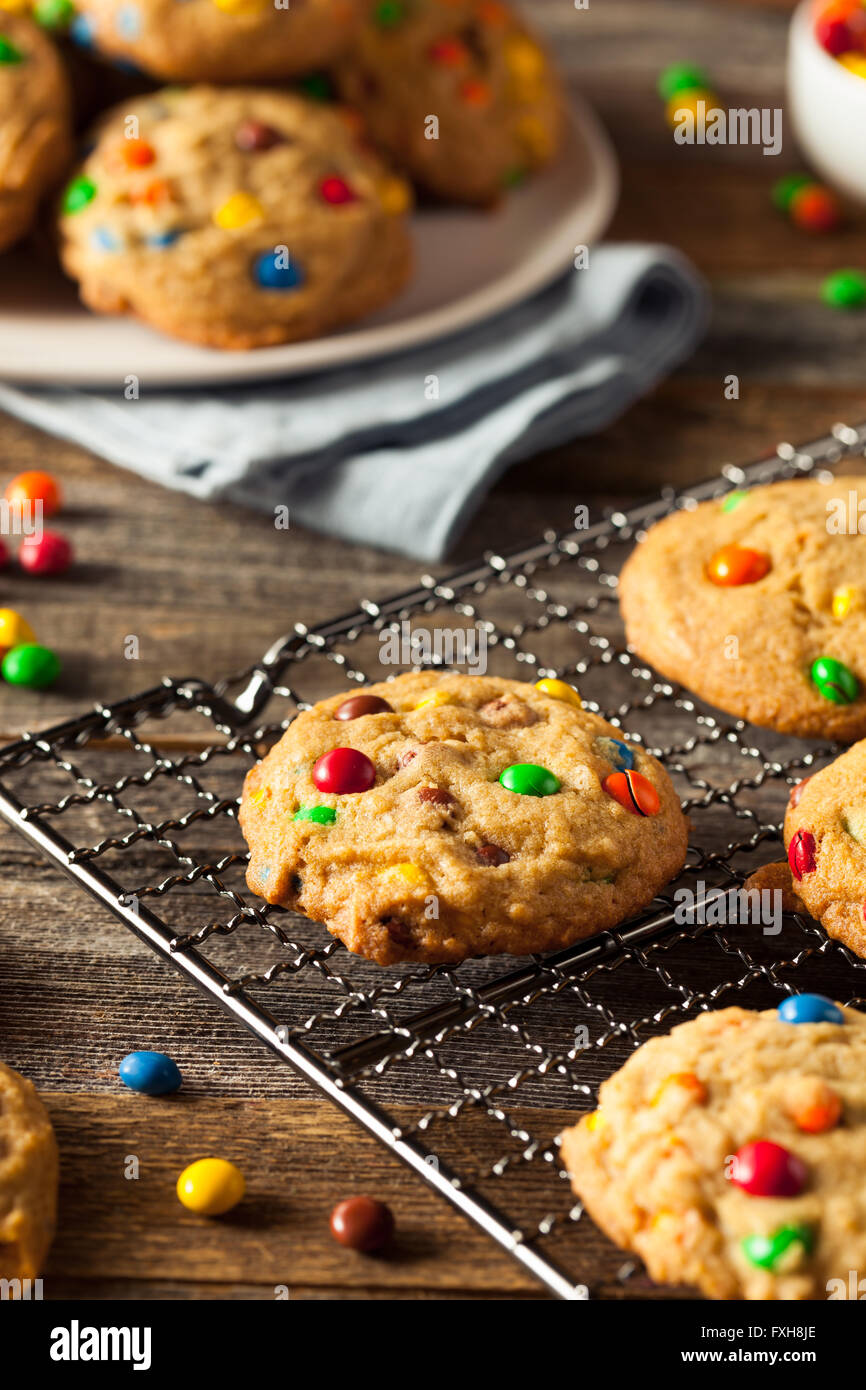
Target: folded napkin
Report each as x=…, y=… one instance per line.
x=361, y=453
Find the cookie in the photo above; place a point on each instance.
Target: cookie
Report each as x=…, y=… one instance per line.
x=729, y=1154
x=35, y=141
x=825, y=836
x=432, y=818
x=28, y=1178
x=234, y=218
x=218, y=40
x=757, y=603
x=459, y=94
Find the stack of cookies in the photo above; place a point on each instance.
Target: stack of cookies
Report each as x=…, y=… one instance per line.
x=237, y=214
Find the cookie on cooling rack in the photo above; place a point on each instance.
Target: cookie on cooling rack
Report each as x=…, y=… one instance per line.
x=218, y=40
x=234, y=218
x=757, y=603
x=825, y=836
x=35, y=142
x=729, y=1154
x=28, y=1178
x=459, y=94
x=432, y=818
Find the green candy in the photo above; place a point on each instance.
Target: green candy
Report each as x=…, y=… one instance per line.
x=768, y=1252
x=79, y=193
x=834, y=681
x=31, y=665
x=845, y=289
x=681, y=77
x=8, y=52
x=528, y=779
x=318, y=87
x=733, y=500
x=854, y=824
x=53, y=14
x=322, y=815
x=389, y=12
x=786, y=189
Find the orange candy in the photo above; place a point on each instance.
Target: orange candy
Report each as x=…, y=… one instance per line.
x=158, y=191
x=815, y=1108
x=815, y=209
x=136, y=154
x=451, y=53
x=35, y=486
x=634, y=792
x=687, y=1081
x=736, y=564
x=476, y=93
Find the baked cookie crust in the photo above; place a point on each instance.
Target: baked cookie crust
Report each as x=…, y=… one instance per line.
x=825, y=836
x=35, y=139
x=28, y=1178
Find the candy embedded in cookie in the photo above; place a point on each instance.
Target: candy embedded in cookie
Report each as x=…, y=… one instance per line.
x=432, y=818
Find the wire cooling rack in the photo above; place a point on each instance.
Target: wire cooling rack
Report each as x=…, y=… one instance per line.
x=497, y=1050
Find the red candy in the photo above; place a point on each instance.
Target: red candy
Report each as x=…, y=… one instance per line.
x=336, y=191
x=344, y=771
x=137, y=154
x=255, y=135
x=362, y=1223
x=451, y=53
x=815, y=209
x=737, y=564
x=833, y=34
x=765, y=1169
x=801, y=854
x=633, y=791
x=4, y=556
x=49, y=553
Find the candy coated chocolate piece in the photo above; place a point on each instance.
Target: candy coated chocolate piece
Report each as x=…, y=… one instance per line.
x=560, y=690
x=344, y=771
x=782, y=1246
x=809, y=1008
x=359, y=705
x=845, y=289
x=53, y=14
x=362, y=1223
x=691, y=101
x=734, y=499
x=9, y=54
x=681, y=77
x=34, y=486
x=797, y=792
x=737, y=564
x=49, y=553
x=151, y=1073
x=336, y=191
x=834, y=681
x=493, y=855
x=15, y=631
x=765, y=1169
x=239, y=210
x=801, y=854
x=256, y=136
x=634, y=792
x=616, y=752
x=211, y=1186
x=319, y=815
x=30, y=665
x=785, y=188
x=528, y=779
x=78, y=194
x=270, y=271
x=813, y=1105
x=815, y=209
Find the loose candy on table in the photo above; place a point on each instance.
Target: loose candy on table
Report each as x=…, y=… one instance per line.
x=528, y=779
x=344, y=772
x=809, y=1008
x=783, y=1248
x=15, y=631
x=801, y=854
x=815, y=209
x=845, y=289
x=785, y=188
x=151, y=1073
x=690, y=101
x=362, y=1223
x=30, y=665
x=32, y=487
x=357, y=706
x=49, y=553
x=834, y=681
x=211, y=1186
x=765, y=1169
x=634, y=792
x=682, y=77
x=734, y=565
x=559, y=690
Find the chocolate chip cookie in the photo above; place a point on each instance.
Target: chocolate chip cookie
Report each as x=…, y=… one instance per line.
x=28, y=1178
x=35, y=142
x=729, y=1154
x=757, y=603
x=459, y=94
x=433, y=818
x=219, y=40
x=825, y=836
x=234, y=218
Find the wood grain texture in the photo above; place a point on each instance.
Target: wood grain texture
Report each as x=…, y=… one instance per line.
x=206, y=588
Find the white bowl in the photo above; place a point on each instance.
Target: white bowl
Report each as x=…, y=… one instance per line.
x=826, y=107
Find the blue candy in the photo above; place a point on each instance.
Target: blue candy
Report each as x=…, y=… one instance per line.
x=151, y=1073
x=162, y=239
x=271, y=274
x=809, y=1008
x=617, y=753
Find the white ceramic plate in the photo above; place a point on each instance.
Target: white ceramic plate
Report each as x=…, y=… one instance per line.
x=469, y=265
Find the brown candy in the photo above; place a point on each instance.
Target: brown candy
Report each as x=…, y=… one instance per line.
x=493, y=855
x=398, y=931
x=358, y=705
x=255, y=135
x=362, y=1223
x=507, y=713
x=437, y=796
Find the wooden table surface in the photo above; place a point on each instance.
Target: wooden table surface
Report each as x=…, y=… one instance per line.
x=207, y=588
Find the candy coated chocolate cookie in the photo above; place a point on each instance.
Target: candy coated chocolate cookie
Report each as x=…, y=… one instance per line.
x=28, y=1178
x=35, y=142
x=459, y=94
x=456, y=816
x=233, y=217
x=729, y=1154
x=757, y=603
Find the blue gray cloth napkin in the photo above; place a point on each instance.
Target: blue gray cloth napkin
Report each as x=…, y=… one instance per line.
x=363, y=454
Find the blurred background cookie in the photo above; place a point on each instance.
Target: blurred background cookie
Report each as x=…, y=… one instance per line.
x=234, y=218
x=28, y=1178
x=34, y=123
x=460, y=95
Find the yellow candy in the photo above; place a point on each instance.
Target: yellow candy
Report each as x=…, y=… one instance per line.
x=854, y=62
x=559, y=690
x=240, y=6
x=662, y=1215
x=689, y=1084
x=410, y=873
x=17, y=6
x=256, y=798
x=688, y=101
x=595, y=1121
x=535, y=137
x=211, y=1186
x=238, y=211
x=395, y=195
x=844, y=600
x=434, y=700
x=524, y=59
x=15, y=631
